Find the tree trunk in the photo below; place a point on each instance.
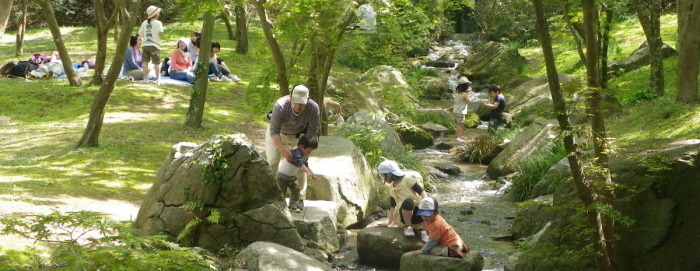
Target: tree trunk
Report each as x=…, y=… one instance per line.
x=225, y=15
x=605, y=45
x=277, y=56
x=199, y=93
x=573, y=32
x=47, y=9
x=21, y=29
x=604, y=238
x=241, y=29
x=117, y=26
x=649, y=13
x=5, y=11
x=688, y=50
x=94, y=126
x=102, y=29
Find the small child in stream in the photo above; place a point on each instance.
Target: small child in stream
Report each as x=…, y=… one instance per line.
x=459, y=110
x=287, y=171
x=443, y=240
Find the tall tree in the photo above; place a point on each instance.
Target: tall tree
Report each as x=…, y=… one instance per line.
x=21, y=28
x=609, y=13
x=605, y=243
x=241, y=27
x=649, y=13
x=688, y=50
x=195, y=112
x=5, y=11
x=103, y=25
x=91, y=134
x=275, y=51
x=47, y=9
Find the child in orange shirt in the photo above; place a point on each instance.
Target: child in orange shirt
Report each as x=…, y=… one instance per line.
x=443, y=240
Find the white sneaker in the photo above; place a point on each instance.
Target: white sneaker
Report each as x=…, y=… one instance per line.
x=215, y=79
x=424, y=236
x=408, y=232
x=459, y=140
x=226, y=79
x=234, y=78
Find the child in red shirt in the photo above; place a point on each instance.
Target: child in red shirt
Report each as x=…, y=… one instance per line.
x=443, y=240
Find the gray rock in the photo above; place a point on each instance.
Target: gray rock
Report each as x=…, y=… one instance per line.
x=245, y=192
x=316, y=224
x=411, y=134
x=638, y=58
x=434, y=129
x=265, y=256
x=433, y=87
x=532, y=216
x=534, y=95
x=346, y=179
x=385, y=75
x=472, y=261
x=384, y=247
x=450, y=169
x=528, y=142
x=493, y=153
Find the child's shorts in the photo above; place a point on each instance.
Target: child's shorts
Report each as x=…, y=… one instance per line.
x=150, y=53
x=459, y=118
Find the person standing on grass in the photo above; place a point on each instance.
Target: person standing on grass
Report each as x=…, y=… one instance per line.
x=151, y=31
x=459, y=110
x=292, y=116
x=132, y=61
x=405, y=189
x=497, y=106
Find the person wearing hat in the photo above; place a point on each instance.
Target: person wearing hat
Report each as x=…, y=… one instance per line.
x=443, y=240
x=151, y=31
x=404, y=189
x=460, y=110
x=292, y=115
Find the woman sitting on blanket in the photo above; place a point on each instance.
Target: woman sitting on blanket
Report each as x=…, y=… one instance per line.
x=132, y=60
x=218, y=67
x=181, y=63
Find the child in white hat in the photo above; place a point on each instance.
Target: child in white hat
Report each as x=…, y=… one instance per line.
x=151, y=31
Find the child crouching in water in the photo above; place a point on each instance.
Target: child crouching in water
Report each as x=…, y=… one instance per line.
x=443, y=240
x=287, y=171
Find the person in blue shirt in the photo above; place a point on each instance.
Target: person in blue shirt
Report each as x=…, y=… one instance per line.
x=132, y=61
x=287, y=171
x=497, y=106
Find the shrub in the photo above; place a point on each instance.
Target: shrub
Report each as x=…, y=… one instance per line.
x=88, y=241
x=532, y=171
x=368, y=139
x=475, y=150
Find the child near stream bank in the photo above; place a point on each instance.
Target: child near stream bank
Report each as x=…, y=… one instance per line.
x=287, y=170
x=459, y=110
x=443, y=240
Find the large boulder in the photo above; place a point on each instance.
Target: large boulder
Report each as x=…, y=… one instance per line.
x=638, y=58
x=317, y=225
x=534, y=96
x=363, y=120
x=432, y=87
x=529, y=141
x=472, y=261
x=493, y=62
x=532, y=216
x=434, y=129
x=265, y=256
x=229, y=179
x=346, y=179
x=384, y=247
x=660, y=180
x=414, y=135
x=385, y=75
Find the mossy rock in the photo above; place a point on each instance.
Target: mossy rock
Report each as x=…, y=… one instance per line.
x=414, y=135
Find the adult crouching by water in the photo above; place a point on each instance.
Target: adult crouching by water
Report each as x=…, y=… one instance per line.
x=292, y=116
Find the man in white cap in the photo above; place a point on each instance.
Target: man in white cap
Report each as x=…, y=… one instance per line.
x=292, y=116
x=405, y=189
x=151, y=31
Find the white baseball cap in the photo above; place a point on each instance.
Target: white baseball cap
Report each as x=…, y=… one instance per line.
x=390, y=166
x=300, y=94
x=427, y=207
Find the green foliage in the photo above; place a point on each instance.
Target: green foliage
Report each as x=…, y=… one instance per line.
x=533, y=170
x=475, y=150
x=403, y=29
x=368, y=139
x=413, y=135
x=88, y=241
x=260, y=93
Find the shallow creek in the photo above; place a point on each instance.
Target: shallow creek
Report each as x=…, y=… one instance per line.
x=476, y=208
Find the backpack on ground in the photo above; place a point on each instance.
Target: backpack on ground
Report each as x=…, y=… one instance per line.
x=22, y=68
x=6, y=69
